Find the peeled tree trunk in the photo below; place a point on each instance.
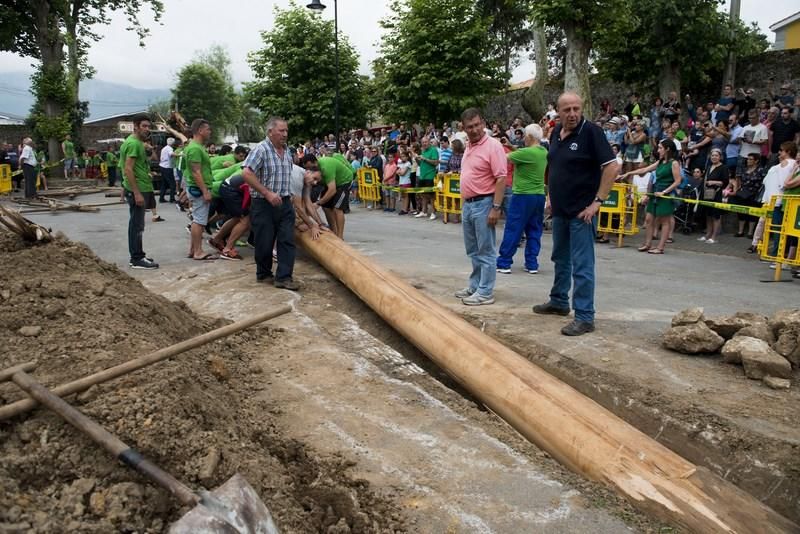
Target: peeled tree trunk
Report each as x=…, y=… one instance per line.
x=576, y=72
x=575, y=430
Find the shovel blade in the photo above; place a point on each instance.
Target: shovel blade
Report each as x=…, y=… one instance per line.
x=232, y=508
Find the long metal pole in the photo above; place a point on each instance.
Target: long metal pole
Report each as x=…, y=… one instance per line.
x=336, y=47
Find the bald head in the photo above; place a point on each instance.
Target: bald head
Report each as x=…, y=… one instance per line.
x=570, y=110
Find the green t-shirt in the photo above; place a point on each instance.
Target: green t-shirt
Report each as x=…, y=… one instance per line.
x=69, y=150
x=218, y=162
x=196, y=153
x=426, y=170
x=529, y=166
x=111, y=159
x=134, y=148
x=227, y=172
x=333, y=168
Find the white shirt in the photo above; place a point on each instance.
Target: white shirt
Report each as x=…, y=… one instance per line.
x=758, y=132
x=732, y=149
x=297, y=181
x=28, y=156
x=773, y=181
x=166, y=157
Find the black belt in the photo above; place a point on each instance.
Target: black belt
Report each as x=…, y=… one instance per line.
x=285, y=198
x=478, y=197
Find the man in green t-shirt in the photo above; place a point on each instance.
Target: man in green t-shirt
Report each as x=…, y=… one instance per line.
x=333, y=192
x=111, y=165
x=198, y=180
x=138, y=186
x=526, y=208
x=428, y=162
x=68, y=148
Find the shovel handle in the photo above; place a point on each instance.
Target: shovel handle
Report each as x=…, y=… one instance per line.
x=106, y=439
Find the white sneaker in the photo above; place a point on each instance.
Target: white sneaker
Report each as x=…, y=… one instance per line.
x=420, y=215
x=532, y=271
x=504, y=270
x=478, y=300
x=432, y=217
x=464, y=293
x=773, y=266
x=702, y=238
x=710, y=241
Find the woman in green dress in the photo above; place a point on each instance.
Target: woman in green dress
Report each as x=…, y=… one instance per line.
x=660, y=205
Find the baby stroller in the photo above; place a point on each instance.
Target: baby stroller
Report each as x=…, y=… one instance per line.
x=685, y=212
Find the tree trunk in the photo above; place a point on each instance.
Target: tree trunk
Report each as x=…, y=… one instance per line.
x=533, y=100
x=669, y=80
x=51, y=50
x=576, y=73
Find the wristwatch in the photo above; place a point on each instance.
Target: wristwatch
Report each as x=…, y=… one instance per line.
x=496, y=206
x=598, y=199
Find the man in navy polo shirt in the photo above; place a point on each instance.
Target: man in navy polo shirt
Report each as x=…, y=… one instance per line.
x=581, y=170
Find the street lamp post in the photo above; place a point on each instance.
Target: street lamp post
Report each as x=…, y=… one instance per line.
x=317, y=5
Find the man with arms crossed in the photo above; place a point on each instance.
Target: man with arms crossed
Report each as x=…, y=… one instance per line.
x=268, y=171
x=582, y=169
x=483, y=185
x=138, y=187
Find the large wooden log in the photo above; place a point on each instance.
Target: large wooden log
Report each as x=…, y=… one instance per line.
x=575, y=430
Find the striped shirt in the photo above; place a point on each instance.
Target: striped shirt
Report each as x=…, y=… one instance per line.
x=444, y=156
x=273, y=171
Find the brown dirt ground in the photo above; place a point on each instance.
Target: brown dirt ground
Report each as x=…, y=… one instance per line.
x=54, y=479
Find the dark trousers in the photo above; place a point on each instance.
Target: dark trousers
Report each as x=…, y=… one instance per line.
x=273, y=224
x=167, y=184
x=29, y=172
x=112, y=176
x=135, y=228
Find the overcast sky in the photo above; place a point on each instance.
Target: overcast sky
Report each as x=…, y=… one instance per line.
x=191, y=25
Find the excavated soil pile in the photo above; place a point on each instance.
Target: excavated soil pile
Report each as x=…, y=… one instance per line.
x=90, y=315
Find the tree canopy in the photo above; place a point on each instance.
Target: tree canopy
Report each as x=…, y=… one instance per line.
x=202, y=92
x=668, y=43
x=295, y=75
x=437, y=59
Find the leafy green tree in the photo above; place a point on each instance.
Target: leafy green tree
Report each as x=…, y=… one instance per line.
x=673, y=43
x=295, y=75
x=202, y=92
x=437, y=59
x=510, y=29
x=581, y=20
x=42, y=29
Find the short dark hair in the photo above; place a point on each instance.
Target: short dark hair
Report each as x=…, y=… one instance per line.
x=308, y=158
x=790, y=148
x=197, y=124
x=241, y=149
x=225, y=150
x=139, y=119
x=471, y=113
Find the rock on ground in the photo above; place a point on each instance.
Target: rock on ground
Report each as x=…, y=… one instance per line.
x=759, y=331
x=688, y=316
x=733, y=348
x=727, y=326
x=759, y=364
x=692, y=339
x=782, y=319
x=777, y=383
x=788, y=345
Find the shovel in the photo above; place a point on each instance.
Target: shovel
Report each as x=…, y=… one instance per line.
x=232, y=508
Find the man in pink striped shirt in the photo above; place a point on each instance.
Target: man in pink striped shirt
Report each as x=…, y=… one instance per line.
x=483, y=184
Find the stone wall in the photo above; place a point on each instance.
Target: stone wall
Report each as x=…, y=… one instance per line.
x=782, y=65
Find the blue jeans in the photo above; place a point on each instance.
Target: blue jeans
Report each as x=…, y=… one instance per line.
x=573, y=256
x=525, y=214
x=135, y=228
x=479, y=242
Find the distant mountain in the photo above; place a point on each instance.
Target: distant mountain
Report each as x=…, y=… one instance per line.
x=105, y=98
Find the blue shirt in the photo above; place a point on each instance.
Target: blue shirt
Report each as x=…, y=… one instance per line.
x=444, y=156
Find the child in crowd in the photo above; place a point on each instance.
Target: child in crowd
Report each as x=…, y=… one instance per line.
x=389, y=180
x=404, y=179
